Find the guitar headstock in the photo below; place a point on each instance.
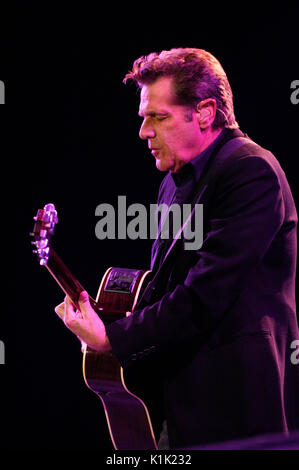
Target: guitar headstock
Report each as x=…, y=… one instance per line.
x=43, y=230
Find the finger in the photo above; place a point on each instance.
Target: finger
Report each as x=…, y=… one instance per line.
x=84, y=303
x=67, y=300
x=69, y=303
x=59, y=309
x=69, y=311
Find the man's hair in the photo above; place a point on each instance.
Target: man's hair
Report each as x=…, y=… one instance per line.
x=197, y=75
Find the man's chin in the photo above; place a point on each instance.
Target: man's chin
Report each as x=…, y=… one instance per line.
x=162, y=165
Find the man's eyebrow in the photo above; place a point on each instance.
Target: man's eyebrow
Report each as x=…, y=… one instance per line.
x=152, y=113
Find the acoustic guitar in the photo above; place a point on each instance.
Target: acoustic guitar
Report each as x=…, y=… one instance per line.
x=127, y=416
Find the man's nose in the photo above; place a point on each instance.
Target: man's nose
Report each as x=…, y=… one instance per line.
x=146, y=131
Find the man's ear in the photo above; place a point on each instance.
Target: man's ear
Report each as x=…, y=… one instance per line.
x=206, y=111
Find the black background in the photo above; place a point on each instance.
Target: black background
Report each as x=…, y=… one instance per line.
x=70, y=136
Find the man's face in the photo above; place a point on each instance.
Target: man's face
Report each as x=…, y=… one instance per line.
x=173, y=132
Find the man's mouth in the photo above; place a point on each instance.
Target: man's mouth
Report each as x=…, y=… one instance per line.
x=155, y=152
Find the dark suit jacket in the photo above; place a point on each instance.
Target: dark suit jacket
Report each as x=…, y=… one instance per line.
x=220, y=320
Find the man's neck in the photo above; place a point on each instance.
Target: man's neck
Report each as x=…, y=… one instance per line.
x=210, y=137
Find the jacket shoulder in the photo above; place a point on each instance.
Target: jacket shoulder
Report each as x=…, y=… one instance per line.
x=252, y=155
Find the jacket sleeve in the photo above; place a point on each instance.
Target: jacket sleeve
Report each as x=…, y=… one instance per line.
x=246, y=213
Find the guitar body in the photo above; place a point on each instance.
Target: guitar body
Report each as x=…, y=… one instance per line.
x=127, y=416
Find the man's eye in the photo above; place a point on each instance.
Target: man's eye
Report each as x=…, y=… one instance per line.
x=161, y=118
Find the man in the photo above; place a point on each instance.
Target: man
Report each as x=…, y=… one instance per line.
x=220, y=319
